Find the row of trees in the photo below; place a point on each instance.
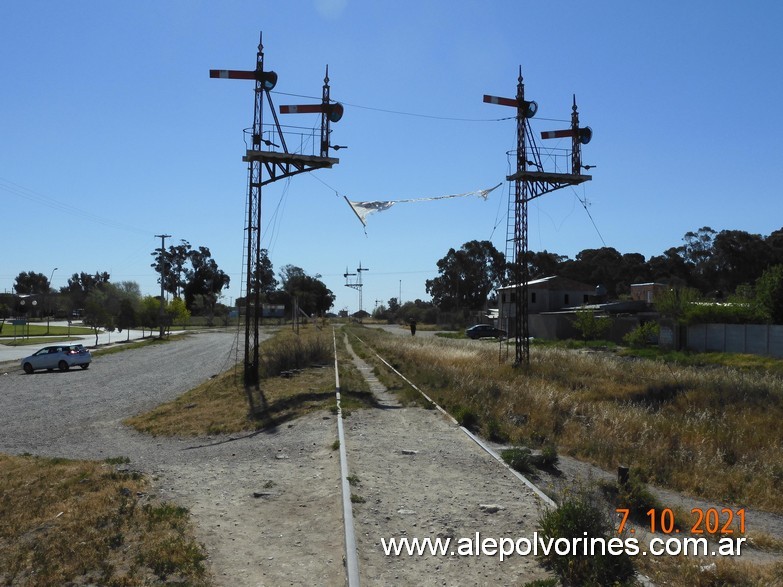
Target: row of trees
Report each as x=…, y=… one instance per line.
x=190, y=275
x=713, y=265
x=99, y=302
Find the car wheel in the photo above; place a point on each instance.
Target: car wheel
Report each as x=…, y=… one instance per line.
x=85, y=366
x=28, y=368
x=63, y=366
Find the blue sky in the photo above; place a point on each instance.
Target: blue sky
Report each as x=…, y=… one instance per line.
x=111, y=130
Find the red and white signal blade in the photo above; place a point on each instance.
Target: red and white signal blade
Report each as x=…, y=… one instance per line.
x=301, y=108
x=502, y=101
x=557, y=134
x=231, y=74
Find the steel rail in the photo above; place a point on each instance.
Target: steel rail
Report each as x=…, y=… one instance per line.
x=351, y=557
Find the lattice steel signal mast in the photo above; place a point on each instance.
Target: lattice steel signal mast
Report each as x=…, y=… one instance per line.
x=279, y=164
x=528, y=185
x=357, y=285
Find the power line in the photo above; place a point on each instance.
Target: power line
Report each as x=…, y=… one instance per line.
x=38, y=198
x=590, y=216
x=416, y=114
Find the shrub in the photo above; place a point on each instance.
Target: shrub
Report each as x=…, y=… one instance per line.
x=579, y=517
x=634, y=496
x=494, y=431
x=522, y=459
x=643, y=335
x=518, y=458
x=548, y=458
x=466, y=417
x=589, y=325
x=730, y=313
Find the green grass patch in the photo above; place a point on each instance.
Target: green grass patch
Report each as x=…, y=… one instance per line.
x=31, y=329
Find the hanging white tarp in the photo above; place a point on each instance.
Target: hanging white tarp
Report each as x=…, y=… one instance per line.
x=364, y=209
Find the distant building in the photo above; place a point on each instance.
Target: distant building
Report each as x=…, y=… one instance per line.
x=548, y=294
x=646, y=292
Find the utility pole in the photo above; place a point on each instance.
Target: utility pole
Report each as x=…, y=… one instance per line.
x=528, y=185
x=162, y=263
x=279, y=163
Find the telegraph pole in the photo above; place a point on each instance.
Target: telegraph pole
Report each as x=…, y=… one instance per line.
x=161, y=312
x=530, y=183
x=269, y=152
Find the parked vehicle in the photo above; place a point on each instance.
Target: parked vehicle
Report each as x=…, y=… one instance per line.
x=485, y=331
x=60, y=356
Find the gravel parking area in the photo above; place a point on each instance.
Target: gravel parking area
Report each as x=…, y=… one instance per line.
x=78, y=413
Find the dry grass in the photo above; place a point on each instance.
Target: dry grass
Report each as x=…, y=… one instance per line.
x=711, y=432
x=219, y=406
x=694, y=572
x=82, y=522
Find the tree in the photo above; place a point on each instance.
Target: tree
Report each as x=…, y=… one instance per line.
x=176, y=312
x=769, y=294
x=738, y=257
x=288, y=272
x=591, y=327
x=204, y=278
x=129, y=289
x=192, y=274
x=670, y=267
x=126, y=318
x=29, y=282
x=467, y=277
x=265, y=276
x=96, y=312
x=596, y=267
x=697, y=253
x=171, y=265
x=394, y=305
x=80, y=285
x=311, y=293
x=544, y=264
x=674, y=302
x=149, y=313
x=775, y=243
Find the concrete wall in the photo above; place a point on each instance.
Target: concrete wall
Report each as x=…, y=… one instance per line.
x=560, y=327
x=756, y=339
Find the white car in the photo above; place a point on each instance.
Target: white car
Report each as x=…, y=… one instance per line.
x=59, y=356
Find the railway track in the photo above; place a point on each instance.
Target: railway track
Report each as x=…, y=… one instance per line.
x=415, y=473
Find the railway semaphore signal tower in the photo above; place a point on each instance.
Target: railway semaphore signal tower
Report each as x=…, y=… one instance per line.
x=356, y=284
x=531, y=180
x=269, y=152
